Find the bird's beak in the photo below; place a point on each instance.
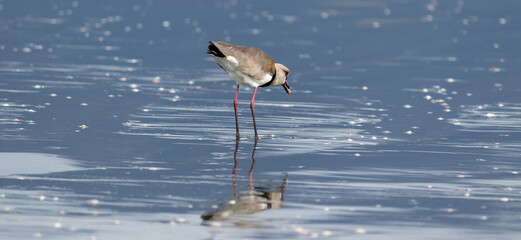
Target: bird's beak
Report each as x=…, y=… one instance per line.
x=286, y=87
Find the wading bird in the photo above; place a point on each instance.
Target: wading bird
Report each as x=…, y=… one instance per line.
x=249, y=66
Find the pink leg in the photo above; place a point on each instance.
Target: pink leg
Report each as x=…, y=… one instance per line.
x=252, y=106
x=235, y=103
x=234, y=172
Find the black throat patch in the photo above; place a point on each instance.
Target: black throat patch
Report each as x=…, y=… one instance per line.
x=272, y=79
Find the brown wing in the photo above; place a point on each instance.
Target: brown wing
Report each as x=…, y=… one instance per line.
x=252, y=61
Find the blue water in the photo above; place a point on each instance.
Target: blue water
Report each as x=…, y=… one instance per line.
x=404, y=122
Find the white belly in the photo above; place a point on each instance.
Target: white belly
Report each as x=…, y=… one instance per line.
x=231, y=66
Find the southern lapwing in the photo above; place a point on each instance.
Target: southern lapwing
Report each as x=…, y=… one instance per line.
x=249, y=66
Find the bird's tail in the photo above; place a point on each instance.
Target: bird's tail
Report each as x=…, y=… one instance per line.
x=214, y=50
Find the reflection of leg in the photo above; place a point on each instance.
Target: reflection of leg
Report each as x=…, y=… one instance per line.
x=250, y=173
x=235, y=103
x=252, y=106
x=234, y=172
x=283, y=186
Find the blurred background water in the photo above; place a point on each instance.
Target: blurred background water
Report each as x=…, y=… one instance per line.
x=404, y=122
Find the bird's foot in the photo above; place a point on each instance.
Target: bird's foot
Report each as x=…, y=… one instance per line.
x=256, y=137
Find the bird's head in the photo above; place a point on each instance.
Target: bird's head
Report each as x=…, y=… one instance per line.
x=282, y=77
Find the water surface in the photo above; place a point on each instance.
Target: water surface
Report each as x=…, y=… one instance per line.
x=404, y=121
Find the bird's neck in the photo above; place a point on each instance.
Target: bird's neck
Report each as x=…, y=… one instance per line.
x=271, y=81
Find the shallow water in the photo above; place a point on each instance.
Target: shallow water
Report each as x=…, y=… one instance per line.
x=404, y=121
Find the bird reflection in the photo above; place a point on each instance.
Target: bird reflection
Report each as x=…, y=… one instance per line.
x=260, y=196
